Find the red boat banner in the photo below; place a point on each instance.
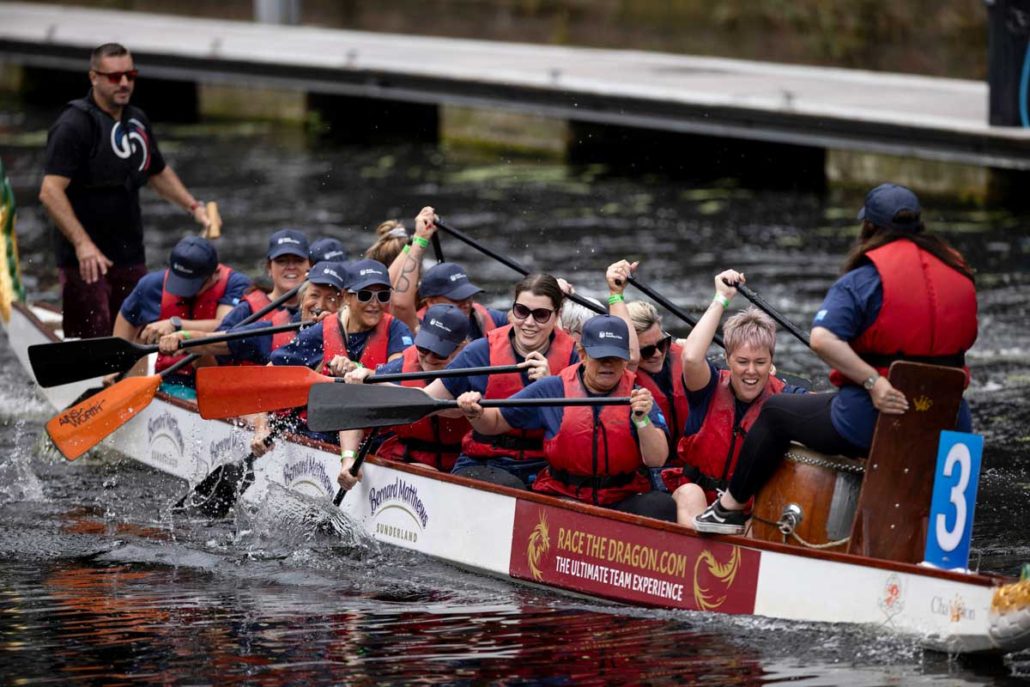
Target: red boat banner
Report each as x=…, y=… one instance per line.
x=631, y=563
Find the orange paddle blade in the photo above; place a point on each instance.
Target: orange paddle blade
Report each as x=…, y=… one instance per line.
x=81, y=427
x=232, y=391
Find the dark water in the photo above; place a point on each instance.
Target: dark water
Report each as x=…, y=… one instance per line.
x=99, y=583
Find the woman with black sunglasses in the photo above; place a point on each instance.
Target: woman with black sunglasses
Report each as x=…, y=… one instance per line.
x=362, y=332
x=533, y=338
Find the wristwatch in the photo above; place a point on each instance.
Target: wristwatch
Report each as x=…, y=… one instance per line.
x=176, y=322
x=870, y=382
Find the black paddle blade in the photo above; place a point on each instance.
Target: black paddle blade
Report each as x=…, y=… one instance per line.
x=72, y=361
x=217, y=493
x=333, y=407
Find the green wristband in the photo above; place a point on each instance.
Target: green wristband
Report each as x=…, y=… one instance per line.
x=406, y=249
x=346, y=453
x=615, y=298
x=419, y=241
x=640, y=424
x=186, y=336
x=721, y=300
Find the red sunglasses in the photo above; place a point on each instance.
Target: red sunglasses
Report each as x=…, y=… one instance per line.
x=116, y=77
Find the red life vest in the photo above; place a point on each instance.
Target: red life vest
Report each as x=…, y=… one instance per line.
x=483, y=319
x=258, y=300
x=203, y=306
x=518, y=444
x=928, y=313
x=713, y=451
x=433, y=440
x=594, y=459
x=674, y=408
x=376, y=347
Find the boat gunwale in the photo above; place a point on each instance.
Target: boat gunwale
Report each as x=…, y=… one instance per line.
x=983, y=579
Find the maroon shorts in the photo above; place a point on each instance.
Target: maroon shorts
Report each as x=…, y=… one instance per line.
x=90, y=309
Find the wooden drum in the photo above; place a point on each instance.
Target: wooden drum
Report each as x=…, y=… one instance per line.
x=820, y=490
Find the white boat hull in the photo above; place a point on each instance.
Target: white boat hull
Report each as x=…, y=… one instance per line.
x=578, y=548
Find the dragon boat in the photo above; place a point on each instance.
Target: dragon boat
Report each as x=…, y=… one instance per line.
x=868, y=577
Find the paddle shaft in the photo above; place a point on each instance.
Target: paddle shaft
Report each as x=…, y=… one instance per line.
x=771, y=312
x=437, y=248
x=366, y=448
x=253, y=317
x=668, y=305
x=441, y=374
x=464, y=238
x=545, y=402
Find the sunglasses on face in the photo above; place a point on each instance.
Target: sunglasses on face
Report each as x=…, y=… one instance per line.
x=662, y=345
x=116, y=77
x=426, y=353
x=541, y=315
x=365, y=295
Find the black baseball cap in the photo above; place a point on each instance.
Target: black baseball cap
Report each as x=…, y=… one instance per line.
x=606, y=336
x=366, y=273
x=193, y=260
x=326, y=273
x=327, y=250
x=287, y=242
x=449, y=280
x=883, y=204
x=444, y=328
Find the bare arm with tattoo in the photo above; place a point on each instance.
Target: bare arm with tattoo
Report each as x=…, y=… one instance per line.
x=406, y=271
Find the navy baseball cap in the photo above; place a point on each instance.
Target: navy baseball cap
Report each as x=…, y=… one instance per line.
x=193, y=260
x=365, y=273
x=444, y=328
x=327, y=250
x=449, y=280
x=606, y=336
x=287, y=242
x=884, y=202
x=326, y=273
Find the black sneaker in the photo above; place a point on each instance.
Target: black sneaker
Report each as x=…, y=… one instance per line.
x=718, y=520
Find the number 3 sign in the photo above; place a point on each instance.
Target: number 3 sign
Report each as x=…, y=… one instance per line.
x=954, y=499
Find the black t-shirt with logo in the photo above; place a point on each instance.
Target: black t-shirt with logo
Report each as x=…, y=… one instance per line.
x=107, y=162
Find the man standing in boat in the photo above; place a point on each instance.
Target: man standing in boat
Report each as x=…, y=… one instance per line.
x=100, y=151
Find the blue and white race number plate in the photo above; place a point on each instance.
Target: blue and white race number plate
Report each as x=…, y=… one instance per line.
x=954, y=500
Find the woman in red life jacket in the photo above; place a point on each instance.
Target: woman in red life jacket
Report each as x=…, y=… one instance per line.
x=194, y=293
x=286, y=263
x=595, y=454
x=723, y=403
x=318, y=298
x=904, y=295
x=434, y=441
x=533, y=338
x=446, y=282
x=660, y=369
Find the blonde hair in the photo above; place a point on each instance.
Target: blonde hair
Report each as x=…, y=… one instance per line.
x=750, y=326
x=389, y=242
x=643, y=315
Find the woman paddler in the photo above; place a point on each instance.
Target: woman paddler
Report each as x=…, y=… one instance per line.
x=660, y=369
x=594, y=454
x=433, y=441
x=446, y=283
x=317, y=299
x=723, y=404
x=905, y=295
x=511, y=458
x=361, y=333
x=195, y=292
